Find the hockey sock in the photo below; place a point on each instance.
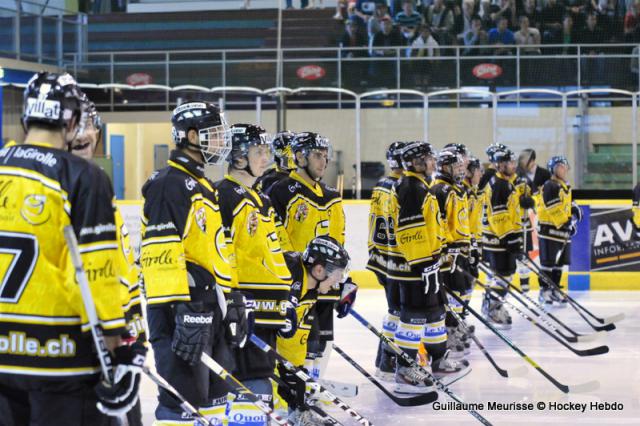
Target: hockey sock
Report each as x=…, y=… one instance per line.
x=434, y=339
x=389, y=328
x=408, y=337
x=320, y=363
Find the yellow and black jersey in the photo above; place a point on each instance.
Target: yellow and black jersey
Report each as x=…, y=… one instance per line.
x=308, y=211
x=256, y=257
x=268, y=210
x=475, y=204
x=489, y=172
x=184, y=248
x=42, y=317
x=384, y=256
x=295, y=348
x=524, y=188
x=502, y=213
x=129, y=275
x=554, y=212
x=636, y=206
x=454, y=211
x=419, y=233
x=270, y=178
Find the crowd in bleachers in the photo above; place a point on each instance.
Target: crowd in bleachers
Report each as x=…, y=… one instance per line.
x=424, y=25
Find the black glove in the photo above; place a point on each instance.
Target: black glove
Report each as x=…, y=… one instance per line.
x=526, y=202
x=348, y=292
x=474, y=254
x=576, y=212
x=239, y=319
x=193, y=331
x=431, y=278
x=288, y=310
x=293, y=390
x=117, y=398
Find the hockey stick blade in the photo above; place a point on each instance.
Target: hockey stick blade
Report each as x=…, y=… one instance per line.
x=345, y=390
x=591, y=386
x=412, y=401
x=327, y=419
x=614, y=318
x=589, y=337
x=520, y=371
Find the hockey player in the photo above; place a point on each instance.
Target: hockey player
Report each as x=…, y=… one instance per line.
x=502, y=232
x=525, y=192
x=471, y=181
x=558, y=218
x=453, y=206
x=49, y=374
x=283, y=162
x=490, y=171
x=384, y=258
x=308, y=208
x=420, y=239
x=185, y=263
x=320, y=269
x=84, y=145
x=256, y=258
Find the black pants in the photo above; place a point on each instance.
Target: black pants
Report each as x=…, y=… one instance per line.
x=502, y=263
x=28, y=401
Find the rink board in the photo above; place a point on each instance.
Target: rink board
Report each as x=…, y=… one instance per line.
x=605, y=252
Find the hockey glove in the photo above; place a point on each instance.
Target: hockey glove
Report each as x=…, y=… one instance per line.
x=526, y=202
x=293, y=390
x=117, y=398
x=193, y=331
x=288, y=311
x=347, y=297
x=474, y=254
x=431, y=278
x=576, y=212
x=239, y=320
x=514, y=244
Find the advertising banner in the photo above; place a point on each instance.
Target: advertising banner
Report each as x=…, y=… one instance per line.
x=614, y=241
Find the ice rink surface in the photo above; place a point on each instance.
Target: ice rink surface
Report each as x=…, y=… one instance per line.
x=617, y=371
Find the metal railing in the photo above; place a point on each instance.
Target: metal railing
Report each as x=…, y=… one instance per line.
x=42, y=33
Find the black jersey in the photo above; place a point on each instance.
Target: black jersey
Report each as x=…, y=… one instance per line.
x=42, y=190
x=270, y=178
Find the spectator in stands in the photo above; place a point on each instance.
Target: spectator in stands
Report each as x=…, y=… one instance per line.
x=611, y=18
x=388, y=36
x=631, y=22
x=527, y=37
x=366, y=8
x=352, y=15
x=440, y=19
x=353, y=37
x=593, y=66
x=374, y=24
x=341, y=10
x=530, y=10
x=485, y=14
x=552, y=15
x=408, y=17
x=502, y=37
x=476, y=36
x=424, y=45
x=507, y=9
x=577, y=9
x=463, y=20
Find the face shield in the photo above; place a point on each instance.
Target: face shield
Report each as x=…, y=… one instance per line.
x=215, y=142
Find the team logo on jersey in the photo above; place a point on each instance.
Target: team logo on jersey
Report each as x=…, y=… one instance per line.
x=190, y=183
x=201, y=219
x=301, y=212
x=34, y=209
x=252, y=223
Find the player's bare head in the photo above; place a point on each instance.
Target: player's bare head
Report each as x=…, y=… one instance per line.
x=419, y=157
x=559, y=167
x=84, y=145
x=312, y=153
x=250, y=149
x=53, y=103
x=505, y=161
x=200, y=127
x=327, y=262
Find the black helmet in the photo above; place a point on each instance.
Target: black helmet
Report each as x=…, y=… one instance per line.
x=491, y=149
x=555, y=160
x=326, y=251
x=458, y=148
x=52, y=100
x=281, y=147
x=244, y=136
x=447, y=158
x=90, y=112
x=213, y=132
x=306, y=142
x=394, y=154
x=503, y=155
x=413, y=150
x=474, y=164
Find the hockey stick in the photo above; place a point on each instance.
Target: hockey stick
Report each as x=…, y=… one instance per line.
x=422, y=399
x=315, y=386
x=584, y=387
x=518, y=372
x=516, y=293
x=406, y=358
x=607, y=322
x=240, y=389
x=561, y=251
x=599, y=350
x=184, y=404
x=90, y=308
x=327, y=419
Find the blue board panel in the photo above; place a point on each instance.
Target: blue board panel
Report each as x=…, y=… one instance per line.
x=116, y=145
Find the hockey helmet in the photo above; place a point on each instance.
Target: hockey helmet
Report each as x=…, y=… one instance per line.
x=52, y=100
x=459, y=148
x=281, y=148
x=306, y=142
x=413, y=150
x=394, y=155
x=503, y=155
x=328, y=252
x=474, y=164
x=493, y=148
x=555, y=160
x=214, y=139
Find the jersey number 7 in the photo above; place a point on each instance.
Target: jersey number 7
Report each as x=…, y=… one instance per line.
x=18, y=254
